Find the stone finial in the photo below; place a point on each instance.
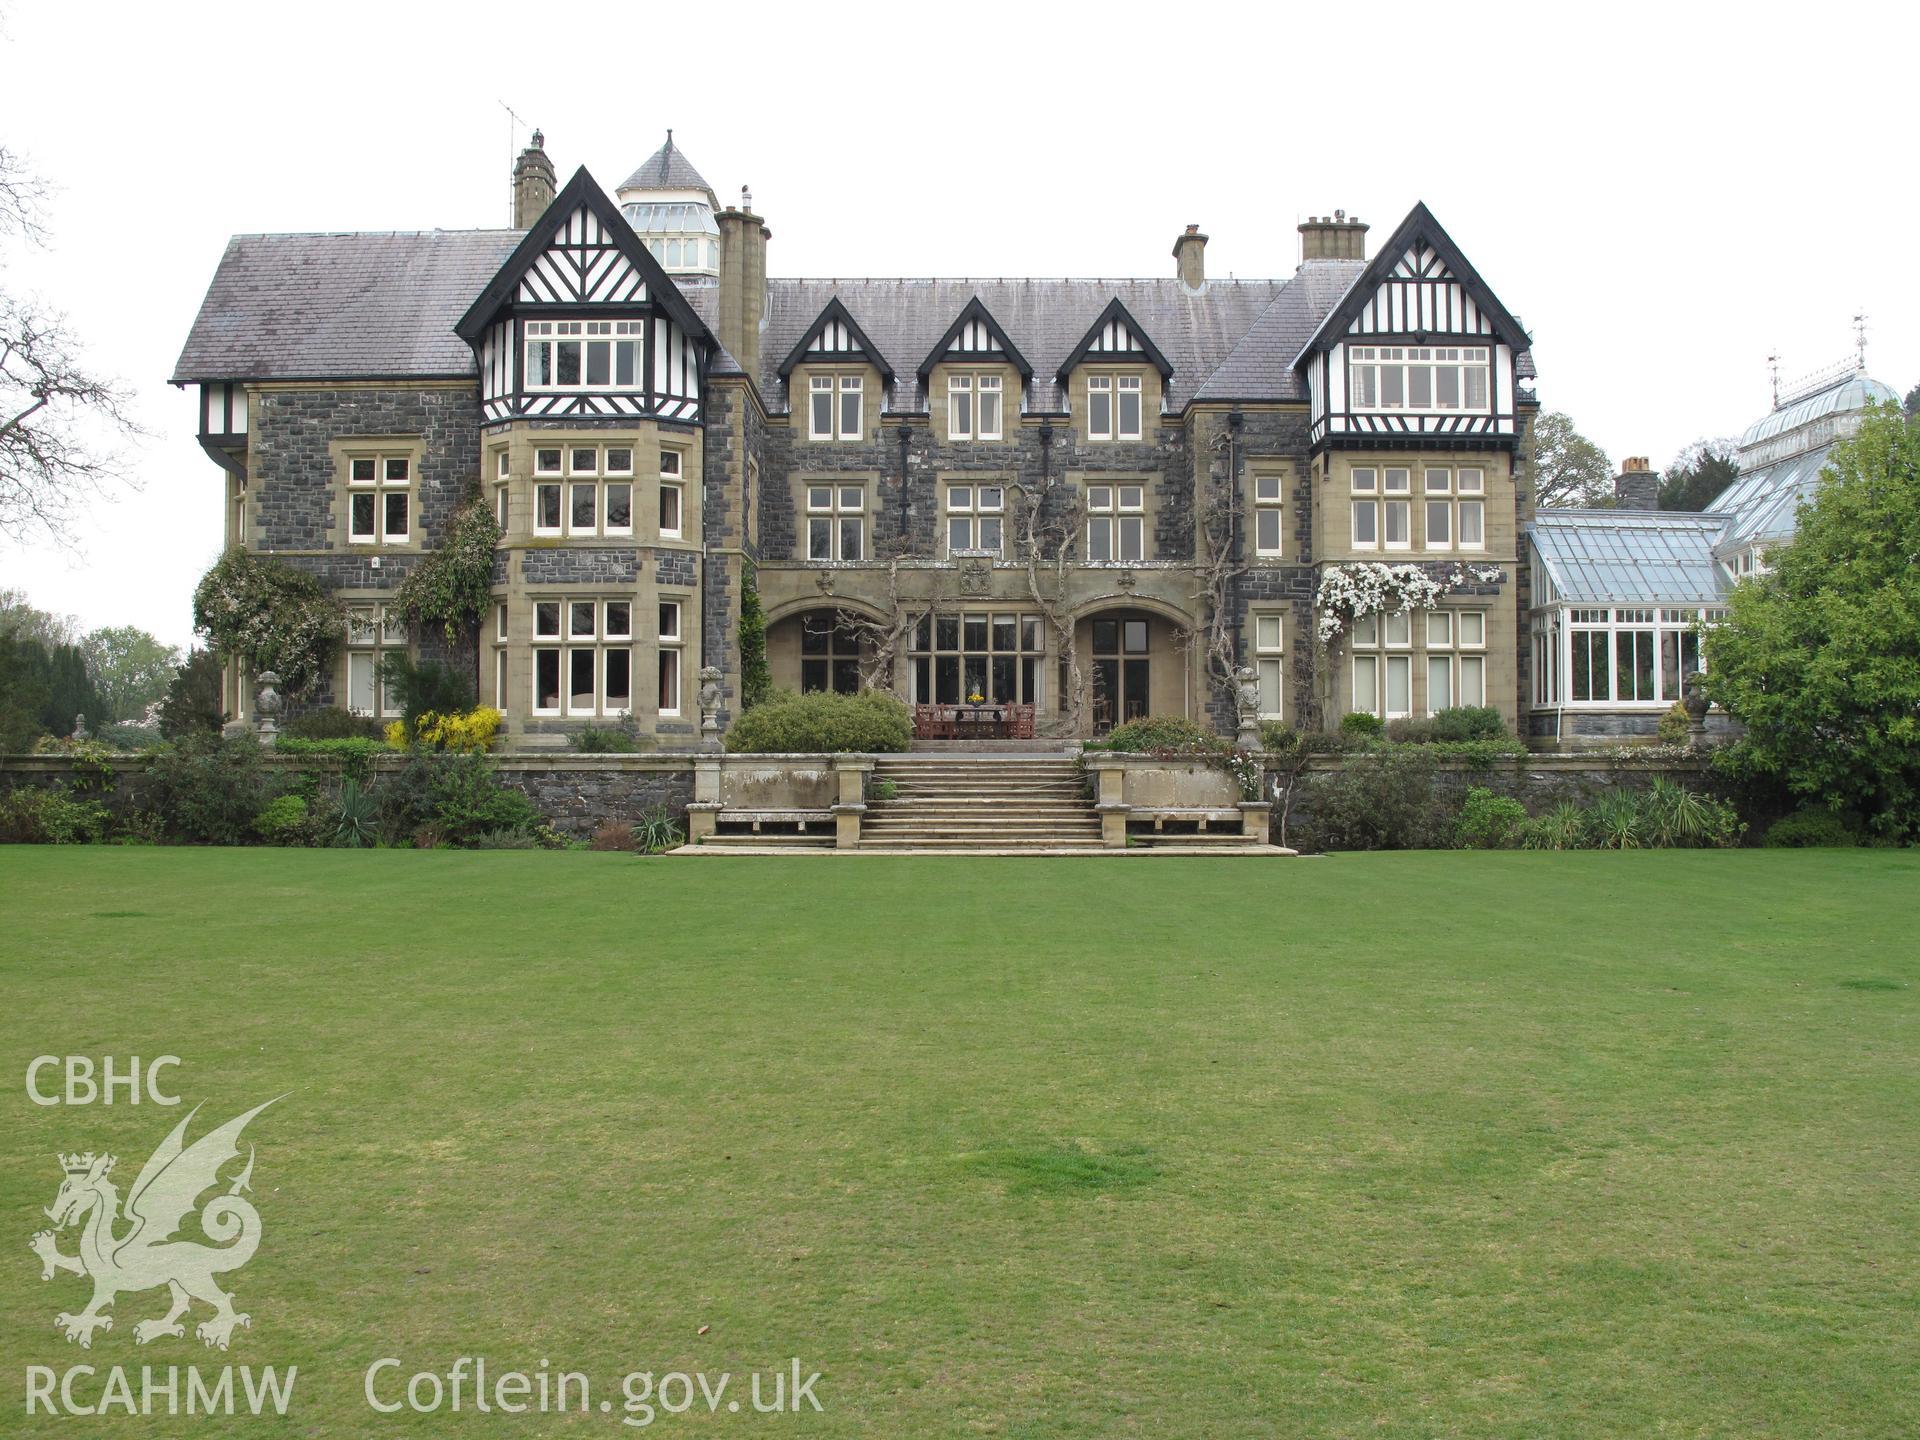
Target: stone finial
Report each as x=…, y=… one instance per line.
x=709, y=707
x=267, y=702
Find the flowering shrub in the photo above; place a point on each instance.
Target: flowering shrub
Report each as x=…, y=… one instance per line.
x=454, y=582
x=468, y=730
x=269, y=616
x=1246, y=769
x=1354, y=591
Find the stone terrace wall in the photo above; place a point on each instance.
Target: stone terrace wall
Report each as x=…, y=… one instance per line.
x=1538, y=782
x=576, y=793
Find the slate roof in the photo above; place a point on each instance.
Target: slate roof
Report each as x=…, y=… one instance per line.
x=1260, y=365
x=1630, y=557
x=1046, y=319
x=337, y=306
x=666, y=169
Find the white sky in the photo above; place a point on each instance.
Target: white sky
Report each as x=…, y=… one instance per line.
x=1664, y=195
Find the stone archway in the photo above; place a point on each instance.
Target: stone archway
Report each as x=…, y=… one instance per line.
x=1133, y=662
x=816, y=647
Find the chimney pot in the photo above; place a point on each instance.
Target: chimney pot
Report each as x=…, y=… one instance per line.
x=1190, y=258
x=1333, y=238
x=1637, y=487
x=533, y=183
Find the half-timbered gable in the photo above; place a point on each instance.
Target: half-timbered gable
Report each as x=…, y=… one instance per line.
x=1115, y=337
x=582, y=323
x=836, y=338
x=975, y=336
x=1419, y=352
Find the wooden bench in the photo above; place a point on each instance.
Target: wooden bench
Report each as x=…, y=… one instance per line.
x=1204, y=814
x=758, y=818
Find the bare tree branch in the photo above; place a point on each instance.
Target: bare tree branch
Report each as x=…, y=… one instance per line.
x=880, y=640
x=23, y=197
x=1047, y=545
x=52, y=415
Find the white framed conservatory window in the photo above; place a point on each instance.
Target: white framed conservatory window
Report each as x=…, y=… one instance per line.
x=975, y=519
x=1270, y=661
x=836, y=522
x=1116, y=522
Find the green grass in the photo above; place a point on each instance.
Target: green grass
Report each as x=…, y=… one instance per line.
x=1393, y=1145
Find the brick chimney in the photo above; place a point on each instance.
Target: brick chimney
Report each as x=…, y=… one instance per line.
x=743, y=281
x=1333, y=237
x=532, y=183
x=1190, y=256
x=1638, y=485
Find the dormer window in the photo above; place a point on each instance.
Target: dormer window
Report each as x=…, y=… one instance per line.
x=823, y=414
x=1418, y=377
x=965, y=421
x=585, y=354
x=1113, y=407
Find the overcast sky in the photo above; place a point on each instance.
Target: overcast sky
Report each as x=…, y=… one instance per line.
x=1664, y=196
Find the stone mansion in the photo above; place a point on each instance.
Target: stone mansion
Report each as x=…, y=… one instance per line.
x=1095, y=498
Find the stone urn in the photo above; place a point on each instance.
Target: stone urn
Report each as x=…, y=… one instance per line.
x=709, y=707
x=1693, y=699
x=267, y=702
x=1246, y=706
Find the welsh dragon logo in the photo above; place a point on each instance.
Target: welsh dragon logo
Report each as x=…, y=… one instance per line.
x=147, y=1256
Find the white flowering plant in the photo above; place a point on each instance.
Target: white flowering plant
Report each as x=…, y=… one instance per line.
x=1354, y=591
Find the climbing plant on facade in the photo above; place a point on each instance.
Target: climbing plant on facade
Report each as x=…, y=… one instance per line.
x=269, y=616
x=756, y=680
x=453, y=583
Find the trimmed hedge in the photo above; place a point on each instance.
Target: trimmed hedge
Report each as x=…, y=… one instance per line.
x=1161, y=734
x=823, y=722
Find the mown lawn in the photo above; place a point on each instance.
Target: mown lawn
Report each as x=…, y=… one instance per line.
x=1397, y=1145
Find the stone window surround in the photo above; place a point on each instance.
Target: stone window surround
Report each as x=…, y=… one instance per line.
x=870, y=481
x=1287, y=473
x=799, y=403
x=1012, y=400
x=1336, y=530
x=1152, y=397
x=343, y=452
x=647, y=444
x=518, y=643
x=1418, y=652
x=1007, y=482
x=1081, y=479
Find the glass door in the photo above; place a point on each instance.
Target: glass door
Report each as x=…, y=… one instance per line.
x=1121, y=677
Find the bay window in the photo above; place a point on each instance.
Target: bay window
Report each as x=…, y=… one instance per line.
x=672, y=496
x=1383, y=665
x=583, y=657
x=1417, y=377
x=585, y=354
x=669, y=641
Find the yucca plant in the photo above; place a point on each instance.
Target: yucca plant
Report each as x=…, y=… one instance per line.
x=657, y=832
x=1561, y=828
x=1614, y=823
x=356, y=822
x=1675, y=816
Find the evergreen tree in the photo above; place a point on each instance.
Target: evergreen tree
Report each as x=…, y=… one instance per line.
x=1698, y=475
x=193, y=699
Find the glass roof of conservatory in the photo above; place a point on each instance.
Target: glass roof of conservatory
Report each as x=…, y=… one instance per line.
x=671, y=218
x=1608, y=557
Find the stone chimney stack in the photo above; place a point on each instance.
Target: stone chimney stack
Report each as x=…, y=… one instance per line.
x=1333, y=237
x=532, y=183
x=1637, y=486
x=1190, y=256
x=743, y=281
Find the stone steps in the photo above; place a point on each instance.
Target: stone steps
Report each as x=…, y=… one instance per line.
x=990, y=800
